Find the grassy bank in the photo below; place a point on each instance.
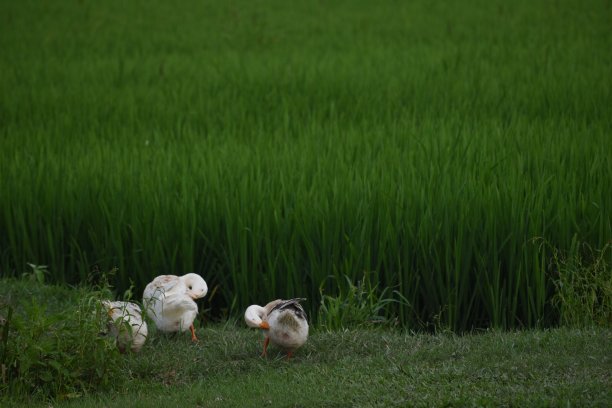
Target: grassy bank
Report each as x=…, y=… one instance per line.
x=277, y=148
x=53, y=352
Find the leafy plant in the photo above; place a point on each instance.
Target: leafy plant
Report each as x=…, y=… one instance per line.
x=358, y=305
x=53, y=350
x=583, y=284
x=37, y=274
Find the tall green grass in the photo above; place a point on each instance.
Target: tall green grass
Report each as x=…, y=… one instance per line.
x=271, y=146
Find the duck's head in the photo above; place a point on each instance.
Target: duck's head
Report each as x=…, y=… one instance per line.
x=253, y=317
x=196, y=285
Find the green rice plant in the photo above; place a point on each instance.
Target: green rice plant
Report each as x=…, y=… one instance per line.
x=360, y=305
x=267, y=148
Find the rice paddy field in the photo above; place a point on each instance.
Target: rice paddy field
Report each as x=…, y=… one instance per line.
x=451, y=154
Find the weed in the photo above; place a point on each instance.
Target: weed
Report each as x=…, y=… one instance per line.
x=51, y=348
x=360, y=305
x=37, y=274
x=583, y=284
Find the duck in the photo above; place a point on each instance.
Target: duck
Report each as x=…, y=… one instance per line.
x=284, y=324
x=126, y=325
x=170, y=301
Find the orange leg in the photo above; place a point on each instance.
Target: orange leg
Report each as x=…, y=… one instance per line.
x=289, y=354
x=193, y=336
x=265, y=350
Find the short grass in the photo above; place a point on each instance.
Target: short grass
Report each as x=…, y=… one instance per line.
x=559, y=367
x=555, y=367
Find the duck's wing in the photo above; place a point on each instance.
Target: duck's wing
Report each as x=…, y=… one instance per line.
x=119, y=309
x=292, y=305
x=269, y=307
x=178, y=305
x=163, y=285
x=133, y=309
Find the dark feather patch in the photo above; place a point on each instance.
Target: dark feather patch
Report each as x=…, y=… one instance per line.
x=293, y=305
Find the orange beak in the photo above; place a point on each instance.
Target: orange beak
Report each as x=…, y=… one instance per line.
x=264, y=325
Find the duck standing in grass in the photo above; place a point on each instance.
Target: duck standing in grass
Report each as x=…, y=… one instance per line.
x=284, y=323
x=170, y=301
x=126, y=325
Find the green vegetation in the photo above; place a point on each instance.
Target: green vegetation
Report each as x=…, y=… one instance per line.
x=365, y=367
x=363, y=305
x=421, y=165
x=50, y=342
x=583, y=286
x=276, y=148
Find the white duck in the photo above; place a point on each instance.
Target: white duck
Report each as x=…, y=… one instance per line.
x=170, y=301
x=284, y=323
x=126, y=324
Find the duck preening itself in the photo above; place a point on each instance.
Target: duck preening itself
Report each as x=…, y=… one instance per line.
x=284, y=323
x=170, y=301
